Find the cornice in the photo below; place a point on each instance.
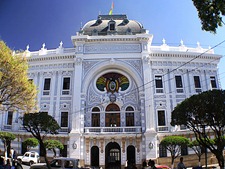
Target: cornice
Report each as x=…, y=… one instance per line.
x=184, y=55
x=47, y=58
x=111, y=38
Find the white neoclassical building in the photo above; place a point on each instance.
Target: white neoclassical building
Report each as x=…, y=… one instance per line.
x=113, y=92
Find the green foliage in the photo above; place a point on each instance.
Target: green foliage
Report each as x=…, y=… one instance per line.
x=31, y=142
x=202, y=114
x=173, y=145
x=6, y=136
x=15, y=89
x=50, y=144
x=193, y=143
x=40, y=123
x=210, y=13
x=204, y=109
x=174, y=141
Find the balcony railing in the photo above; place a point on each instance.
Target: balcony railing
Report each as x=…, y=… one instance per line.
x=133, y=129
x=64, y=130
x=162, y=128
x=7, y=127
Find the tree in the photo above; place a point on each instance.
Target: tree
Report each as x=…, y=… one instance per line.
x=31, y=142
x=39, y=125
x=198, y=149
x=53, y=144
x=173, y=144
x=210, y=13
x=202, y=114
x=6, y=138
x=16, y=91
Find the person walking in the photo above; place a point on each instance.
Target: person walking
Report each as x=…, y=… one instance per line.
x=181, y=165
x=152, y=164
x=7, y=165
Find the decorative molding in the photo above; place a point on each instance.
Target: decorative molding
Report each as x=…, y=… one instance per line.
x=51, y=66
x=87, y=65
x=112, y=48
x=65, y=106
x=93, y=97
x=67, y=73
x=136, y=64
x=78, y=60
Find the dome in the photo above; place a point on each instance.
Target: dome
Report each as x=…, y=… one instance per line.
x=112, y=24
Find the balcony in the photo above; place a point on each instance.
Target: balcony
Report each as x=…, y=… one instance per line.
x=162, y=128
x=64, y=130
x=7, y=127
x=105, y=130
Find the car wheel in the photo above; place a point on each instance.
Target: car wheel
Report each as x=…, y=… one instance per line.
x=19, y=161
x=31, y=162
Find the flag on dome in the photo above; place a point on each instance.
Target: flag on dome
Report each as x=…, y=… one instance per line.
x=111, y=10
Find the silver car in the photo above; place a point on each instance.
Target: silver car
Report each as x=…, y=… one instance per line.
x=58, y=163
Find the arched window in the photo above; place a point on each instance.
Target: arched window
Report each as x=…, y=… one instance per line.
x=112, y=116
x=95, y=116
x=129, y=116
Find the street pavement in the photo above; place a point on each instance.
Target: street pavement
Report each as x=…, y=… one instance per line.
x=25, y=166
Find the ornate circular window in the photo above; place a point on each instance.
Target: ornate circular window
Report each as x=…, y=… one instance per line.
x=112, y=82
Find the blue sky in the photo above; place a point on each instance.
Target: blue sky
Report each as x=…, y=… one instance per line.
x=35, y=22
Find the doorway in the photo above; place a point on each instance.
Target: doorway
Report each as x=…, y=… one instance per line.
x=112, y=156
x=94, y=156
x=131, y=157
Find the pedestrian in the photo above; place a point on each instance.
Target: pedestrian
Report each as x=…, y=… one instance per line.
x=7, y=165
x=144, y=165
x=149, y=164
x=152, y=164
x=1, y=162
x=181, y=165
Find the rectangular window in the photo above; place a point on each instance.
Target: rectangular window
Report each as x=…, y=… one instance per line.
x=178, y=82
x=10, y=118
x=197, y=82
x=158, y=82
x=47, y=84
x=161, y=118
x=112, y=26
x=184, y=150
x=162, y=151
x=66, y=86
x=66, y=83
x=64, y=119
x=129, y=119
x=213, y=82
x=95, y=120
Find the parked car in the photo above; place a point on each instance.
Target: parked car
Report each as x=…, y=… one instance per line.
x=58, y=163
x=30, y=157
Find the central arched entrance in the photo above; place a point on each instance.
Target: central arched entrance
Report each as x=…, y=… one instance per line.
x=112, y=156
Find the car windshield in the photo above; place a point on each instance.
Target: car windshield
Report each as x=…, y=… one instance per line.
x=56, y=163
x=68, y=164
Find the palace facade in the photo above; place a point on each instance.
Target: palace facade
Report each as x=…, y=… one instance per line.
x=113, y=92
